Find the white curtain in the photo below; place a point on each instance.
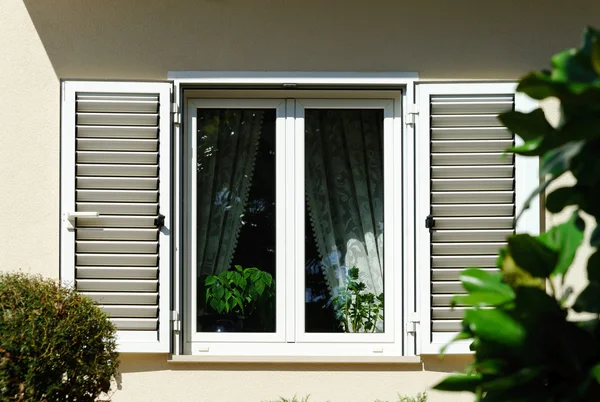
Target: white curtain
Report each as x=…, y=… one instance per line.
x=344, y=185
x=227, y=144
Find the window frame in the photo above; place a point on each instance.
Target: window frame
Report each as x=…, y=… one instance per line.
x=308, y=344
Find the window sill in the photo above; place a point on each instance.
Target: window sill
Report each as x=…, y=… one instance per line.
x=177, y=359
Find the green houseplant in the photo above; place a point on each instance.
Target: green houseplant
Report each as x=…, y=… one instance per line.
x=357, y=310
x=239, y=293
x=527, y=343
x=55, y=344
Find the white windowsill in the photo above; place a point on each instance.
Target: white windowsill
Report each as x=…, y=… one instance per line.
x=296, y=359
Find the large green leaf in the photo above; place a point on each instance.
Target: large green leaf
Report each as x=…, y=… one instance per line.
x=495, y=325
x=557, y=161
x=460, y=382
x=564, y=239
x=528, y=126
x=562, y=197
x=589, y=299
x=595, y=238
x=477, y=280
x=593, y=267
x=596, y=372
x=531, y=255
x=595, y=55
x=485, y=289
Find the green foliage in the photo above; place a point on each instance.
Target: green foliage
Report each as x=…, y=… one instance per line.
x=421, y=397
x=238, y=291
x=357, y=310
x=55, y=345
x=527, y=348
x=294, y=399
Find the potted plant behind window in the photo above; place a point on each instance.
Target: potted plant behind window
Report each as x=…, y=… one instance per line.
x=236, y=294
x=355, y=308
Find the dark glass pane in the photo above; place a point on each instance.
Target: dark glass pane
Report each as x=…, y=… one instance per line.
x=235, y=220
x=344, y=220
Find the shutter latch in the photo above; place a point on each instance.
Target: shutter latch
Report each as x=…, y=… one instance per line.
x=429, y=222
x=159, y=221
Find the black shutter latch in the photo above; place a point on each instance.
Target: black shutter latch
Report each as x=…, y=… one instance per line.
x=429, y=222
x=159, y=221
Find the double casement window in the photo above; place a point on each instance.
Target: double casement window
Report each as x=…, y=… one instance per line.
x=325, y=220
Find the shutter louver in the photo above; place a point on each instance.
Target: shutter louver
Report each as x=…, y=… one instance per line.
x=472, y=194
x=121, y=172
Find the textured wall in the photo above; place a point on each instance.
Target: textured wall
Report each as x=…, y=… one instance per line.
x=44, y=41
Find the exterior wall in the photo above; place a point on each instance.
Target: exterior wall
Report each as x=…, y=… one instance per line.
x=44, y=41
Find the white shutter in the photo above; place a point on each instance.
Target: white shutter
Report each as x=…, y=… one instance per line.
x=115, y=185
x=468, y=186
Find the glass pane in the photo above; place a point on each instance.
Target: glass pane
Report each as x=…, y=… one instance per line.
x=344, y=220
x=235, y=225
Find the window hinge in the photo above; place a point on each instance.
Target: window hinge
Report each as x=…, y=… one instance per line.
x=411, y=324
x=175, y=113
x=175, y=320
x=411, y=116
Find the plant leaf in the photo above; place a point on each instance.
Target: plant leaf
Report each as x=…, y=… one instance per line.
x=593, y=267
x=460, y=382
x=564, y=239
x=477, y=280
x=531, y=255
x=528, y=126
x=496, y=326
x=589, y=299
x=595, y=371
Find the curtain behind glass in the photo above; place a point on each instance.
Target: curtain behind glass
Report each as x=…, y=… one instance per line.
x=344, y=185
x=227, y=144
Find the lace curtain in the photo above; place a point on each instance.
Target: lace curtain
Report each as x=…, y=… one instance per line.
x=344, y=185
x=227, y=145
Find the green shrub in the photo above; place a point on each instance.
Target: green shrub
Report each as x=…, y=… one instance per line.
x=55, y=345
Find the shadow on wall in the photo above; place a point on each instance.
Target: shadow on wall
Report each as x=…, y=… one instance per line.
x=138, y=363
x=137, y=39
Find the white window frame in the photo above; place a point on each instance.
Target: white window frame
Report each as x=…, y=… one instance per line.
x=392, y=222
x=279, y=106
x=402, y=162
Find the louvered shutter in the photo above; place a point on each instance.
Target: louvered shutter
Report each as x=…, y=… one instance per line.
x=115, y=189
x=467, y=185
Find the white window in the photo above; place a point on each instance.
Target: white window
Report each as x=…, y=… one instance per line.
x=247, y=222
x=300, y=190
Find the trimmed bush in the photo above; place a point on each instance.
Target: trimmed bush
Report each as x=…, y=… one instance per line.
x=55, y=345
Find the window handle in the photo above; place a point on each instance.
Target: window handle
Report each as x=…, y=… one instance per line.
x=71, y=216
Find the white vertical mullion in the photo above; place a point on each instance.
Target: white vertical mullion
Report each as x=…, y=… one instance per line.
x=67, y=184
x=193, y=197
x=179, y=155
x=423, y=209
x=295, y=319
x=392, y=221
x=282, y=295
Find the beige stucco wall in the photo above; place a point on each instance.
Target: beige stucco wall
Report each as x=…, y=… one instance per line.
x=44, y=41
